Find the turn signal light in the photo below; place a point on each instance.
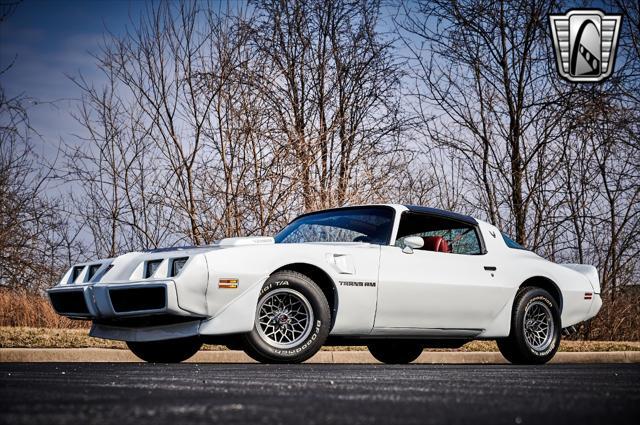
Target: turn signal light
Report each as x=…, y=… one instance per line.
x=228, y=283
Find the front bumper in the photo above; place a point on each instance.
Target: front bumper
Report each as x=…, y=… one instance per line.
x=172, y=309
x=113, y=302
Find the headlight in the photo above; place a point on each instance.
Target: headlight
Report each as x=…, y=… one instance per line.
x=176, y=265
x=75, y=274
x=151, y=267
x=93, y=268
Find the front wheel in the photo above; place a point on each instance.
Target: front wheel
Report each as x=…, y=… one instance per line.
x=395, y=352
x=535, y=328
x=168, y=351
x=292, y=320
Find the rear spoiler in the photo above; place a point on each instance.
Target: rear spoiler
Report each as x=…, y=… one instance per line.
x=590, y=272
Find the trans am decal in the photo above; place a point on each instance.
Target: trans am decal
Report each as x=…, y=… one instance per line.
x=354, y=283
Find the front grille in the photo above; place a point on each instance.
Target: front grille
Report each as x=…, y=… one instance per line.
x=69, y=302
x=138, y=299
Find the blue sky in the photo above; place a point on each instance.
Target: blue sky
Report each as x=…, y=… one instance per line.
x=51, y=40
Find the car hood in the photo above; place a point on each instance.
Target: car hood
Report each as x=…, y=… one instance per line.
x=223, y=243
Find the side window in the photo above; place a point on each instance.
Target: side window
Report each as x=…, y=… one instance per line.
x=439, y=234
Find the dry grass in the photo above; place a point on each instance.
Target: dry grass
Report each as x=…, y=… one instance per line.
x=22, y=308
x=618, y=320
x=25, y=337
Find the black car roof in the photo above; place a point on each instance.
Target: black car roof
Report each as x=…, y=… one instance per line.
x=443, y=213
x=412, y=208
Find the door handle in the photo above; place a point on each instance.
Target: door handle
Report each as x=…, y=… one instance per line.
x=490, y=268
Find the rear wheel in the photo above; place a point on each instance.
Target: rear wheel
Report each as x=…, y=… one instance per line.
x=292, y=320
x=395, y=352
x=535, y=328
x=168, y=351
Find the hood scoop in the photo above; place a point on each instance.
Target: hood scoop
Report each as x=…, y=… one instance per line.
x=251, y=240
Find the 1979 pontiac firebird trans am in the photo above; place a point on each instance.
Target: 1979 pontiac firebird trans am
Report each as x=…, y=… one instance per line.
x=395, y=278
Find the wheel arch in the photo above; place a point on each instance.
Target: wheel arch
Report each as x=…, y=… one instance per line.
x=321, y=278
x=548, y=285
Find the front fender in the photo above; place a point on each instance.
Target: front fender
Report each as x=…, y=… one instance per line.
x=237, y=316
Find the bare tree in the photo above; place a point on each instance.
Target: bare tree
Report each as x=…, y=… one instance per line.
x=555, y=162
x=178, y=140
x=332, y=85
x=36, y=240
x=116, y=185
x=484, y=86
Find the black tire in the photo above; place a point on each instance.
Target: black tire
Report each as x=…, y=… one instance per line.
x=262, y=347
x=395, y=352
x=168, y=351
x=517, y=348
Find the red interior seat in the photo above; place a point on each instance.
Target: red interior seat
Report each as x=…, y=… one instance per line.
x=435, y=243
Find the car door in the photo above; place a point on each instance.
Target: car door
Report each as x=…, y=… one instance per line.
x=424, y=289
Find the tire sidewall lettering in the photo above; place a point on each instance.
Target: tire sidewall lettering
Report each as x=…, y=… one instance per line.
x=273, y=285
x=307, y=342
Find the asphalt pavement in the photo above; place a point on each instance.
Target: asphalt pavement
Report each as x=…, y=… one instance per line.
x=128, y=393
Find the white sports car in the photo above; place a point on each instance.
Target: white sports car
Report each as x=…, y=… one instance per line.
x=395, y=278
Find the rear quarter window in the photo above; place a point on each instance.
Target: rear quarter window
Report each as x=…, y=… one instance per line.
x=511, y=243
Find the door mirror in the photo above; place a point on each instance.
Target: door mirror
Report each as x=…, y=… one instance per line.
x=411, y=243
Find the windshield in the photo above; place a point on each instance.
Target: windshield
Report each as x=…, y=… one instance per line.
x=357, y=224
x=511, y=243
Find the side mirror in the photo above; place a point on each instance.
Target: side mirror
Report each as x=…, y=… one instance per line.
x=411, y=243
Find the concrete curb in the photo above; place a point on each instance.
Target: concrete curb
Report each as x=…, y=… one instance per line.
x=37, y=355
